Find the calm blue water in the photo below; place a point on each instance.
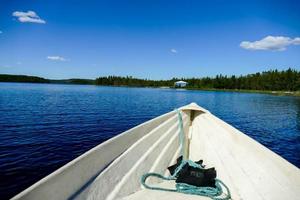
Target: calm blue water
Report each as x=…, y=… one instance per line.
x=43, y=126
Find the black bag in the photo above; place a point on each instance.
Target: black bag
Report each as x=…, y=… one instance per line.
x=194, y=176
x=178, y=161
x=197, y=177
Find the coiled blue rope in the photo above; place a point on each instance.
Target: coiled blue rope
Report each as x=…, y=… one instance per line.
x=211, y=192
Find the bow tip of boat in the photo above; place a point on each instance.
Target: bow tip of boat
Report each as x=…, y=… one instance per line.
x=194, y=106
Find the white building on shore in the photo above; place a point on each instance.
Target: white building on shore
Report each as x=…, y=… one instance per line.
x=180, y=84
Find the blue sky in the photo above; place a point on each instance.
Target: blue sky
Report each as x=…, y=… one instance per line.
x=147, y=39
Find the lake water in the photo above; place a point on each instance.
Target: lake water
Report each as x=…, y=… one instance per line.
x=44, y=126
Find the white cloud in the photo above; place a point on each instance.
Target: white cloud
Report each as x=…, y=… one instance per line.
x=296, y=41
x=273, y=43
x=56, y=58
x=29, y=16
x=173, y=51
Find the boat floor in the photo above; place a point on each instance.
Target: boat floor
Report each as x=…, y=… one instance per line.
x=146, y=194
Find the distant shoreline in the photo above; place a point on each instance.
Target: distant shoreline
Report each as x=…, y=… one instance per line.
x=275, y=93
x=116, y=81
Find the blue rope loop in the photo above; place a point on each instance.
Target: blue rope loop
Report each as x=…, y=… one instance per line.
x=211, y=192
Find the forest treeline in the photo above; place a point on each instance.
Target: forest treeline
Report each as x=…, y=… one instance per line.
x=272, y=80
x=36, y=79
x=286, y=80
x=22, y=79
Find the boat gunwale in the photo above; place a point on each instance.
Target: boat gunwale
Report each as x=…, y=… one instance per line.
x=83, y=156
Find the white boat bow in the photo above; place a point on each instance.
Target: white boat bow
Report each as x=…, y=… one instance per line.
x=113, y=169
